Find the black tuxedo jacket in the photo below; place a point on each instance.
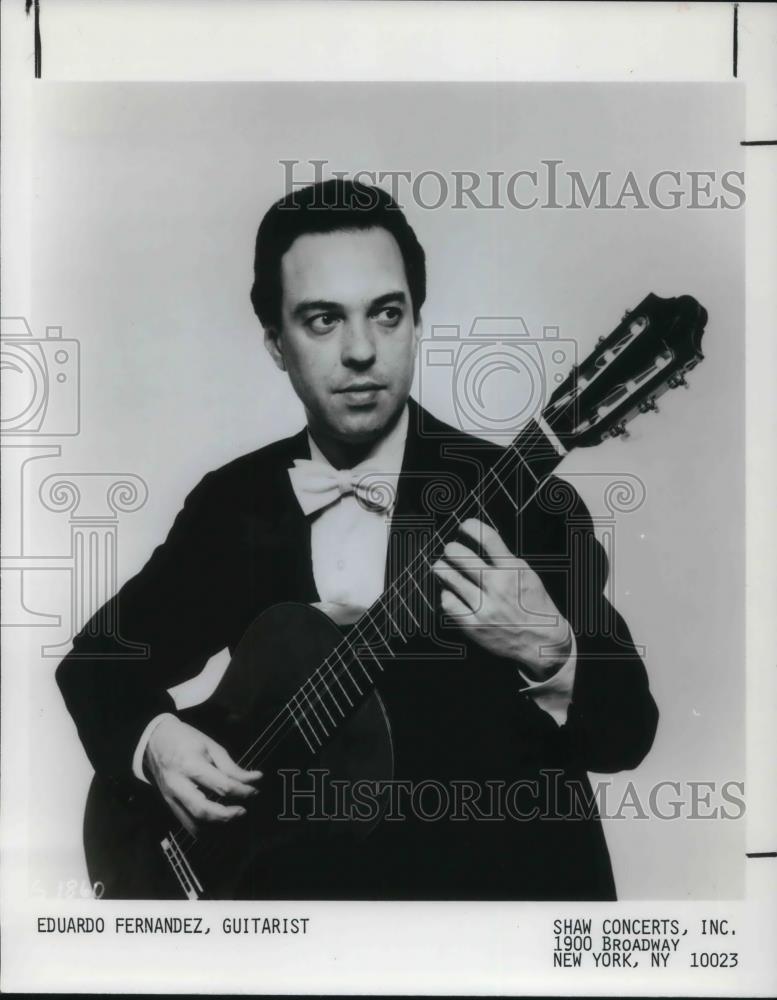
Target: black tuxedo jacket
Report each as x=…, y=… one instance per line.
x=241, y=543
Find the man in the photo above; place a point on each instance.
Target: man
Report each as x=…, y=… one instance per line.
x=537, y=698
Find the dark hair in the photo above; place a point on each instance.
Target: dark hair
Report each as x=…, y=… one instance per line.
x=327, y=207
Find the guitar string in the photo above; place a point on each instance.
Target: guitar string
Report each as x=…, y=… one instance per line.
x=412, y=574
x=510, y=453
x=283, y=715
x=285, y=720
x=286, y=717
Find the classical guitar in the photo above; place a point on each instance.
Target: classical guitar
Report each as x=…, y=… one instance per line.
x=299, y=693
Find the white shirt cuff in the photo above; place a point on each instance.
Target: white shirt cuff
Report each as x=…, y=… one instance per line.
x=554, y=695
x=140, y=749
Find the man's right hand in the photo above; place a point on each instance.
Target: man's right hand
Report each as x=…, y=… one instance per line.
x=187, y=765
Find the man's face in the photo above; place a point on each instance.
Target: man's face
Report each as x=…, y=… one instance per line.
x=347, y=337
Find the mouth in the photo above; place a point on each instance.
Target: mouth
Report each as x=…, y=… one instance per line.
x=362, y=392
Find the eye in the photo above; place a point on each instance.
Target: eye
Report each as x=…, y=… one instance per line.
x=389, y=316
x=323, y=322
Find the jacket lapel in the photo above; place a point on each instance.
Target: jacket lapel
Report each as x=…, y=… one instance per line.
x=291, y=529
x=428, y=489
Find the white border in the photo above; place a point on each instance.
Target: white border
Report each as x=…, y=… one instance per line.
x=345, y=40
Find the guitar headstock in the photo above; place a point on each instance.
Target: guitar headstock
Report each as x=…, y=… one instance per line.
x=650, y=351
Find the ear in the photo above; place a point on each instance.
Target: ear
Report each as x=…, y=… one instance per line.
x=272, y=341
x=418, y=330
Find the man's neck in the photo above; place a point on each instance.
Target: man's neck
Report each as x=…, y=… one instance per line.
x=347, y=454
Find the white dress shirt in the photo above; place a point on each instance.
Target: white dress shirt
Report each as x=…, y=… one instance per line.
x=349, y=541
x=349, y=547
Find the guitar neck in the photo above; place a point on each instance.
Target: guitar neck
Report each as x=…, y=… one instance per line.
x=352, y=669
x=650, y=351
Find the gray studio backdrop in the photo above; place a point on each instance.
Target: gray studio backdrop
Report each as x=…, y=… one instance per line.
x=146, y=201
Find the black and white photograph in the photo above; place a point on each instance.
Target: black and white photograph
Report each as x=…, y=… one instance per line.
x=375, y=528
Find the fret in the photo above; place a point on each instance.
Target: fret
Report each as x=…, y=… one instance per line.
x=523, y=462
x=399, y=595
x=421, y=592
x=363, y=668
x=425, y=558
x=503, y=488
x=533, y=446
x=371, y=651
x=397, y=629
x=350, y=675
x=311, y=728
x=334, y=700
x=348, y=697
x=483, y=512
x=318, y=680
x=313, y=707
x=326, y=709
x=297, y=723
x=381, y=636
x=440, y=540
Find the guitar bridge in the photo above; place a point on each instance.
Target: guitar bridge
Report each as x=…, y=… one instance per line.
x=182, y=870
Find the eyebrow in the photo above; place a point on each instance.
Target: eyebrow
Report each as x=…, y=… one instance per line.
x=324, y=305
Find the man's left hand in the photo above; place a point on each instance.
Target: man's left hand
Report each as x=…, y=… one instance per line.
x=501, y=603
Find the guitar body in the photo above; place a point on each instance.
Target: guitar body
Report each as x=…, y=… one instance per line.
x=283, y=648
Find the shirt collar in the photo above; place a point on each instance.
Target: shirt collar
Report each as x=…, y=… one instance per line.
x=387, y=453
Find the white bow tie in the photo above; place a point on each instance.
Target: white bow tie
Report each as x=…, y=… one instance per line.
x=317, y=485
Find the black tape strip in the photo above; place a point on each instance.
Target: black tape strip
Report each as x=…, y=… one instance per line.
x=34, y=5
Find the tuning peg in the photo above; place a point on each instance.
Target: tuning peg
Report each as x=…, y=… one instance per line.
x=676, y=381
x=619, y=430
x=648, y=405
x=625, y=315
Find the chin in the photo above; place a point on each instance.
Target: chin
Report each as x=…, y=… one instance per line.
x=361, y=430
x=361, y=426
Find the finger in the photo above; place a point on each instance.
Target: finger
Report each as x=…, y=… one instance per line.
x=182, y=816
x=465, y=589
x=224, y=762
x=487, y=537
x=202, y=809
x=214, y=780
x=176, y=793
x=466, y=561
x=453, y=606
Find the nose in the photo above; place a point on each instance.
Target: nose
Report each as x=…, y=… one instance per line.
x=358, y=344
